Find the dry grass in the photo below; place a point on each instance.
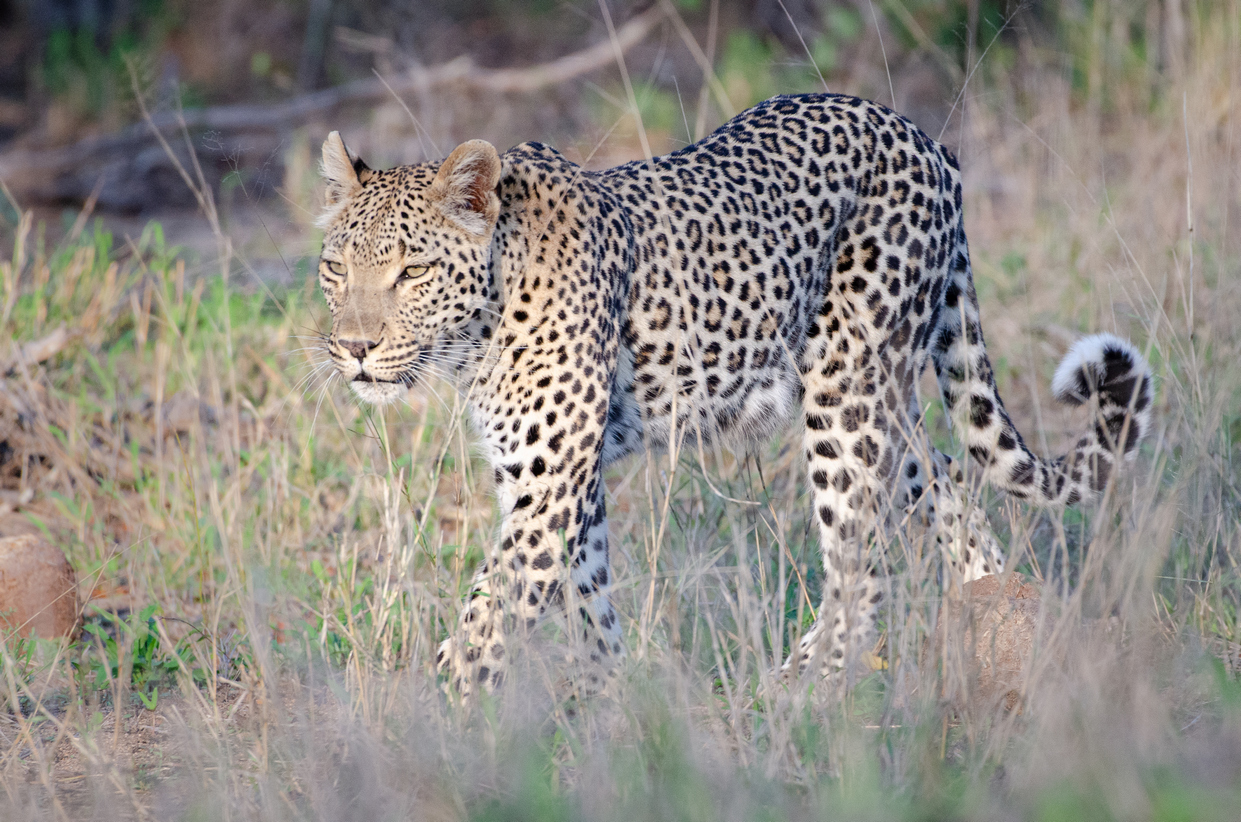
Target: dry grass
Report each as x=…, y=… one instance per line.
x=306, y=554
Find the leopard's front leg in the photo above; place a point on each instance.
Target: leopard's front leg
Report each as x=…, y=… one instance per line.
x=474, y=653
x=553, y=555
x=542, y=430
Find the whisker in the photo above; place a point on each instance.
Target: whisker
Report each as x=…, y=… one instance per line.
x=314, y=372
x=304, y=387
x=425, y=384
x=322, y=394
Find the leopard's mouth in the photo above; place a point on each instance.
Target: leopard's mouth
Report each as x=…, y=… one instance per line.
x=375, y=390
x=396, y=379
x=362, y=376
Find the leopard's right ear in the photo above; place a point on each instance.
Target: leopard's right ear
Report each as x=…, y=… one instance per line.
x=344, y=171
x=464, y=188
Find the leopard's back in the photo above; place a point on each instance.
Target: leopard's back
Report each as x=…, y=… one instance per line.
x=735, y=238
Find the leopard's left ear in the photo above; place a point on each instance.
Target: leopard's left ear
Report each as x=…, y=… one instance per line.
x=344, y=171
x=465, y=187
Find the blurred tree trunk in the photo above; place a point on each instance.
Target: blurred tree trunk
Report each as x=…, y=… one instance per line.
x=314, y=46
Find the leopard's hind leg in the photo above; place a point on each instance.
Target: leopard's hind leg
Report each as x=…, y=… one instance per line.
x=934, y=496
x=856, y=395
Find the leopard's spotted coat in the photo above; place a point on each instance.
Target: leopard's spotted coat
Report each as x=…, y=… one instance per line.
x=812, y=249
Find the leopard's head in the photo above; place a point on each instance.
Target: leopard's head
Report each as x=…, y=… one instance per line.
x=406, y=261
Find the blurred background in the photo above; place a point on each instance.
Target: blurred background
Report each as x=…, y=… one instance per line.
x=260, y=82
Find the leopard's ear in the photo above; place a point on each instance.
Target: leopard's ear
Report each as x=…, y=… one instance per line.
x=344, y=171
x=464, y=190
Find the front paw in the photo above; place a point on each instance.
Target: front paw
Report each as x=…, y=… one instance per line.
x=452, y=668
x=464, y=666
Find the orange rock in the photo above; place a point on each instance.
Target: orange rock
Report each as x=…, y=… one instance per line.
x=38, y=589
x=998, y=635
x=15, y=525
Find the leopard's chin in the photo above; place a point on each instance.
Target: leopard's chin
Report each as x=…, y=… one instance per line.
x=377, y=392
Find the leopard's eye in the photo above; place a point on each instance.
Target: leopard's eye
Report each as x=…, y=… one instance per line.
x=412, y=272
x=336, y=268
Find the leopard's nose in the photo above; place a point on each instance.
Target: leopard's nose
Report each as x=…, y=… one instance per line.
x=358, y=348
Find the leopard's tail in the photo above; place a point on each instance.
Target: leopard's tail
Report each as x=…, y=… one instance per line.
x=1102, y=371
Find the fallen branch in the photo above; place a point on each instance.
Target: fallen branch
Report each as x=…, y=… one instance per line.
x=35, y=171
x=37, y=351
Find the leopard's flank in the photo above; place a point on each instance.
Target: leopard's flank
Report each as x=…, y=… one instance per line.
x=809, y=255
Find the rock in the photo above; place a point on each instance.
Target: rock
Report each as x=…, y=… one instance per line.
x=13, y=524
x=38, y=589
x=998, y=636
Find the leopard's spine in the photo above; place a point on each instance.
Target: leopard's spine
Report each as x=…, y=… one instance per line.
x=1103, y=371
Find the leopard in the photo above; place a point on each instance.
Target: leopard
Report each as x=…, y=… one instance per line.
x=807, y=258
